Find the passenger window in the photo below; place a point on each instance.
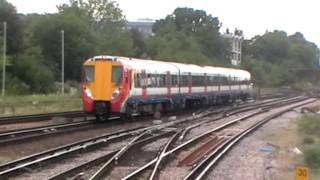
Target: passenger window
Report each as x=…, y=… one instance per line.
x=184, y=80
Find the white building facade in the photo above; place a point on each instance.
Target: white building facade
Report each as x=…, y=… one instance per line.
x=236, y=40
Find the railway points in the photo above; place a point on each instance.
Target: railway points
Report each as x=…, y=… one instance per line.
x=173, y=135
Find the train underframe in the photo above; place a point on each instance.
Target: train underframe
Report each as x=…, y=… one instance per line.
x=156, y=106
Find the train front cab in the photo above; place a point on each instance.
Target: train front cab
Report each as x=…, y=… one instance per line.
x=101, y=83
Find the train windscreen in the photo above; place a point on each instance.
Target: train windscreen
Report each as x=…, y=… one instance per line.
x=117, y=75
x=88, y=74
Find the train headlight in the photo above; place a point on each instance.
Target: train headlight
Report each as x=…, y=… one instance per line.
x=115, y=94
x=88, y=93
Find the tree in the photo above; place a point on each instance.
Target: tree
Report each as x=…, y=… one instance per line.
x=101, y=12
x=199, y=30
x=86, y=34
x=80, y=41
x=139, y=44
x=29, y=69
x=9, y=14
x=277, y=57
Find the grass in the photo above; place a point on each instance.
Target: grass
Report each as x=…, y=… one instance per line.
x=309, y=129
x=35, y=104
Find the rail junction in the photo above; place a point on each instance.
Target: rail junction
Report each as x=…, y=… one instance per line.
x=194, y=143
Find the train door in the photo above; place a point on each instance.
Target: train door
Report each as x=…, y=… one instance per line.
x=189, y=83
x=168, y=83
x=144, y=84
x=205, y=83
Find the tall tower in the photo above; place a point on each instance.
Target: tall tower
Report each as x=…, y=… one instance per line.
x=235, y=40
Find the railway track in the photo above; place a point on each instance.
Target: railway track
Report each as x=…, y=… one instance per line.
x=23, y=135
x=105, y=140
x=84, y=145
x=39, y=117
x=222, y=147
x=215, y=147
x=20, y=135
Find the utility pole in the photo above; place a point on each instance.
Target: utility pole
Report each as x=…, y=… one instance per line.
x=62, y=62
x=4, y=58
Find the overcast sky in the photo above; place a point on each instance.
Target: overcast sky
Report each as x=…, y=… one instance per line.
x=252, y=16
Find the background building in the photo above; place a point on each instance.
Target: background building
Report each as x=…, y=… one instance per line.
x=144, y=26
x=236, y=39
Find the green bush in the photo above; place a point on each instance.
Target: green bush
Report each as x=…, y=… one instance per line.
x=312, y=156
x=308, y=140
x=14, y=86
x=29, y=69
x=310, y=125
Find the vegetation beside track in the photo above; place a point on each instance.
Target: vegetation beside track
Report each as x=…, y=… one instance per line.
x=35, y=104
x=186, y=35
x=309, y=128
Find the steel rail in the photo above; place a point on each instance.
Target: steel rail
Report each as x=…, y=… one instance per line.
x=236, y=111
x=114, y=159
x=183, y=145
x=22, y=134
x=226, y=146
x=134, y=174
x=161, y=155
x=23, y=162
x=74, y=147
x=262, y=105
x=104, y=158
x=39, y=117
x=66, y=149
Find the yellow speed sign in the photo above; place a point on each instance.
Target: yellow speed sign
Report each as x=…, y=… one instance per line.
x=302, y=173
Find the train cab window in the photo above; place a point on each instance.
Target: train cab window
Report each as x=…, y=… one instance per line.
x=117, y=75
x=88, y=74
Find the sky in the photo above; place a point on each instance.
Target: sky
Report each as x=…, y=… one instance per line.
x=254, y=17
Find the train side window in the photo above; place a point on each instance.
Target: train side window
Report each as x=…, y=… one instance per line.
x=157, y=80
x=198, y=80
x=168, y=80
x=216, y=80
x=184, y=80
x=205, y=80
x=174, y=79
x=162, y=80
x=137, y=80
x=223, y=80
x=151, y=80
x=195, y=81
x=154, y=80
x=210, y=80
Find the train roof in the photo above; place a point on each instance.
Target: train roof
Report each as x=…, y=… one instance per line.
x=161, y=67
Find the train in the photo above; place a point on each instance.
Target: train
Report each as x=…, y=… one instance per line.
x=114, y=85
